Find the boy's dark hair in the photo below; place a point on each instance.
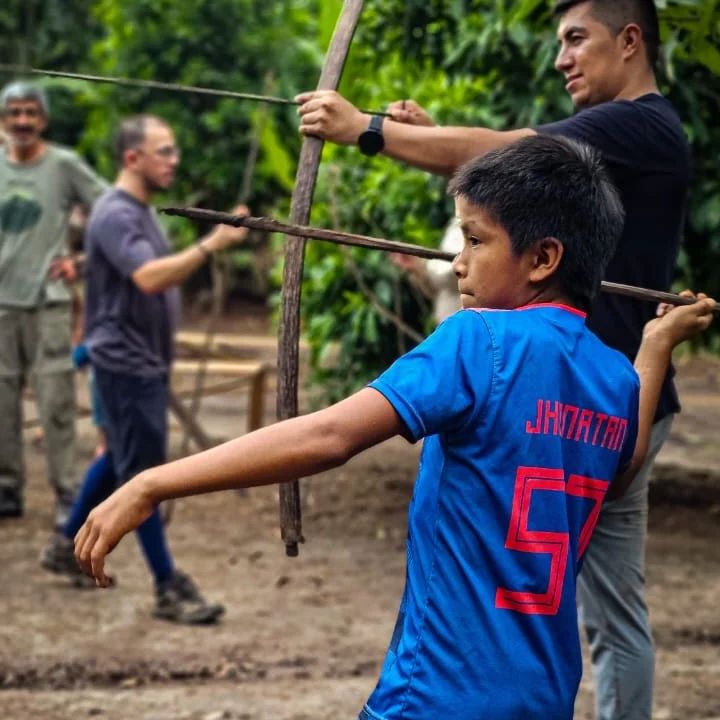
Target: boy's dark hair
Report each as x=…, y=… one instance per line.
x=616, y=14
x=131, y=134
x=549, y=186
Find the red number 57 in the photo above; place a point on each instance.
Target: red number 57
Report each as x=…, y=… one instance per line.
x=556, y=544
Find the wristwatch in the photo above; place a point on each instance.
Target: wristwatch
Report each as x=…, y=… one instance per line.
x=371, y=141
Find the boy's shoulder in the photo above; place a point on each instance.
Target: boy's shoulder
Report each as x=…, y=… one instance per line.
x=531, y=320
x=548, y=326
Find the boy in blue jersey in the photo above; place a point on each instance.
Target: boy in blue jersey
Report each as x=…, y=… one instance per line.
x=528, y=419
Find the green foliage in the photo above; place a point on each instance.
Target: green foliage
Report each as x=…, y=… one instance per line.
x=690, y=33
x=248, y=45
x=45, y=30
x=36, y=32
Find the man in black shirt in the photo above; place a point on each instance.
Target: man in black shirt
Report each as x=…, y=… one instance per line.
x=608, y=52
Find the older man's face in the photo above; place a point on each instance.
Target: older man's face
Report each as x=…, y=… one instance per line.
x=24, y=122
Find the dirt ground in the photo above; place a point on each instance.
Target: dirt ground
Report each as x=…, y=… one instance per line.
x=304, y=638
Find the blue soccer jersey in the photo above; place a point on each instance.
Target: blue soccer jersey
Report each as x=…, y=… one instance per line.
x=527, y=418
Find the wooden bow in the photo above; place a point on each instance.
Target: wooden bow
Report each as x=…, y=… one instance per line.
x=289, y=335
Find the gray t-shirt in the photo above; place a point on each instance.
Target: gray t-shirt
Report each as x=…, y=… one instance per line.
x=35, y=202
x=127, y=331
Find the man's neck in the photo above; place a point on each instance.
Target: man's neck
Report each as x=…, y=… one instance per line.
x=26, y=154
x=640, y=84
x=133, y=185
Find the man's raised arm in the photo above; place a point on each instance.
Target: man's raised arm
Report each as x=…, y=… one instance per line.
x=440, y=150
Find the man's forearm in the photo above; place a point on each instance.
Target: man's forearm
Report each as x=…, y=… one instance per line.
x=442, y=150
x=165, y=272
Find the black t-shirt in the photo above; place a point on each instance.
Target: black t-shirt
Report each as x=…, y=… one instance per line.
x=647, y=154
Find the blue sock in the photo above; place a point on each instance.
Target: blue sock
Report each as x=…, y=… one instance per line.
x=98, y=483
x=151, y=535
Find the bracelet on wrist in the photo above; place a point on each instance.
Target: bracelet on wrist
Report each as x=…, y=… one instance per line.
x=204, y=251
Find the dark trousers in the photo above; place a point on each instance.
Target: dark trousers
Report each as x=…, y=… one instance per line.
x=136, y=420
x=137, y=432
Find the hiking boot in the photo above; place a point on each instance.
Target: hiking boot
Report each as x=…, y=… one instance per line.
x=59, y=557
x=179, y=600
x=10, y=504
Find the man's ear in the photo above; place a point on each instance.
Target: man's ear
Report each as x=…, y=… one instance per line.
x=631, y=37
x=130, y=157
x=546, y=259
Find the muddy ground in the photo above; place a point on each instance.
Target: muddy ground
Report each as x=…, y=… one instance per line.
x=303, y=638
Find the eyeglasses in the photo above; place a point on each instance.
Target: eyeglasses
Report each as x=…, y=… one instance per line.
x=15, y=112
x=168, y=151
x=164, y=151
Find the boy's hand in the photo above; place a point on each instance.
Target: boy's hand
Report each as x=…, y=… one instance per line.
x=675, y=324
x=105, y=526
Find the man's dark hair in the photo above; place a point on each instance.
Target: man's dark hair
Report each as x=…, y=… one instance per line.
x=616, y=14
x=550, y=186
x=131, y=134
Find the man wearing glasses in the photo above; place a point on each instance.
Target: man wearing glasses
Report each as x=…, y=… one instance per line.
x=40, y=183
x=131, y=312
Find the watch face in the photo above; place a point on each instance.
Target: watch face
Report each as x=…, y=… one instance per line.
x=371, y=142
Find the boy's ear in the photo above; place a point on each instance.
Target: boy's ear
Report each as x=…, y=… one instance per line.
x=546, y=259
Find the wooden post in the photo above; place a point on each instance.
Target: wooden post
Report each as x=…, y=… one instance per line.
x=289, y=335
x=256, y=400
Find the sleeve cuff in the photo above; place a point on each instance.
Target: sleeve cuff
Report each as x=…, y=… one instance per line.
x=413, y=422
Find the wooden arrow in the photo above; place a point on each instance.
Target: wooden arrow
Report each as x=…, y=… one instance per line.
x=157, y=85
x=343, y=238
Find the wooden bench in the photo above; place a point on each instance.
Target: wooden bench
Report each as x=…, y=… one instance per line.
x=232, y=374
x=233, y=362
x=227, y=345
x=225, y=375
x=194, y=339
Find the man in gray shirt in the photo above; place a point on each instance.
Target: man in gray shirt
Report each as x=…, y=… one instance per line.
x=39, y=184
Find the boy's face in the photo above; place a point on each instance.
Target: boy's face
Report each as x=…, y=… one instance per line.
x=489, y=273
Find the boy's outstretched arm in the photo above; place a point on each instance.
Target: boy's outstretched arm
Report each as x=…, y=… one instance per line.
x=660, y=336
x=287, y=450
